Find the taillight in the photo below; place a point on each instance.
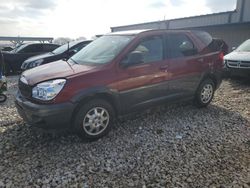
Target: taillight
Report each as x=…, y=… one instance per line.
x=221, y=56
x=221, y=59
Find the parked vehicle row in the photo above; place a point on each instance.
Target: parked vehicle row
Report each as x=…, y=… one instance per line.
x=29, y=56
x=119, y=73
x=63, y=52
x=14, y=59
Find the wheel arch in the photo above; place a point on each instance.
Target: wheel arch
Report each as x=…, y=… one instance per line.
x=98, y=93
x=212, y=77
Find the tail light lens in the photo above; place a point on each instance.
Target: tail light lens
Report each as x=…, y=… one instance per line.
x=221, y=56
x=221, y=59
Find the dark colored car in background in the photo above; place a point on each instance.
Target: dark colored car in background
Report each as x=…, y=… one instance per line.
x=14, y=59
x=63, y=52
x=119, y=73
x=7, y=49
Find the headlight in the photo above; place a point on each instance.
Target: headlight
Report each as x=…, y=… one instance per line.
x=48, y=90
x=36, y=63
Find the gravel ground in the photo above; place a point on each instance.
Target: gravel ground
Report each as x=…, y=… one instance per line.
x=168, y=146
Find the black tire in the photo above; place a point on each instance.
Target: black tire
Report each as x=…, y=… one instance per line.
x=8, y=69
x=201, y=99
x=3, y=98
x=86, y=111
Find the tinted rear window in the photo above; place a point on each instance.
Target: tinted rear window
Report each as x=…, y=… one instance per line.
x=204, y=37
x=179, y=45
x=49, y=47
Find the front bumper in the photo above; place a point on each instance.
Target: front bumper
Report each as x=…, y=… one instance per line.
x=227, y=72
x=46, y=116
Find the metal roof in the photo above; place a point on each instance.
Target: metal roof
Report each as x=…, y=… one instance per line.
x=26, y=38
x=20, y=40
x=136, y=32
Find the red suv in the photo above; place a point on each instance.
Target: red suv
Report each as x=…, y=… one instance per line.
x=119, y=73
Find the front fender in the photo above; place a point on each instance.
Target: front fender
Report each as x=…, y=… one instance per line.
x=98, y=92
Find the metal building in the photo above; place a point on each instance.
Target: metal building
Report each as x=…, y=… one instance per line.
x=232, y=26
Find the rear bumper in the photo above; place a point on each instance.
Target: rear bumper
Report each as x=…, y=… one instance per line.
x=51, y=116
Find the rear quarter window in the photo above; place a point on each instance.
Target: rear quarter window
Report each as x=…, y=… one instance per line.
x=179, y=45
x=204, y=37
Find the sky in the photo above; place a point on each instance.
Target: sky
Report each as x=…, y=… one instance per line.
x=87, y=18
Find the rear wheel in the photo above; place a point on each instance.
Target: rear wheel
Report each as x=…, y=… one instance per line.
x=94, y=119
x=205, y=93
x=3, y=98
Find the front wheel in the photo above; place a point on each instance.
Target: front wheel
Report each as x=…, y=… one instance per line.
x=94, y=119
x=3, y=98
x=205, y=93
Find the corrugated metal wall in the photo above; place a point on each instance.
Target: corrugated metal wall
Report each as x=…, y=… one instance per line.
x=233, y=26
x=215, y=19
x=246, y=15
x=233, y=35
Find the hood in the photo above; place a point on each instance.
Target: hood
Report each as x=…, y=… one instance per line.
x=58, y=69
x=238, y=56
x=37, y=57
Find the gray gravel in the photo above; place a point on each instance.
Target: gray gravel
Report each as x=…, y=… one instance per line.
x=168, y=146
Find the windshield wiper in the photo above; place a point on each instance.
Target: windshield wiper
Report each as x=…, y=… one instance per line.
x=73, y=61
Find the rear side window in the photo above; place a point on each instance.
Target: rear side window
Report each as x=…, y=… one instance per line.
x=152, y=49
x=49, y=47
x=33, y=48
x=179, y=45
x=204, y=37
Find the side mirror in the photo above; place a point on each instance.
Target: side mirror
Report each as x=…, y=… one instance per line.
x=135, y=57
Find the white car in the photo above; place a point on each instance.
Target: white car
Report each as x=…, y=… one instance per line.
x=238, y=62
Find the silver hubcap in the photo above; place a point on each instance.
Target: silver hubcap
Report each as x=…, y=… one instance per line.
x=96, y=121
x=206, y=93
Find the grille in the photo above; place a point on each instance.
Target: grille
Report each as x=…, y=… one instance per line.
x=239, y=64
x=25, y=89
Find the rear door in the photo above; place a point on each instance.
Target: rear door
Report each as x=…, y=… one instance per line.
x=143, y=83
x=184, y=64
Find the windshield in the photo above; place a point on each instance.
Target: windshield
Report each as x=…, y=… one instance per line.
x=64, y=47
x=102, y=50
x=244, y=47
